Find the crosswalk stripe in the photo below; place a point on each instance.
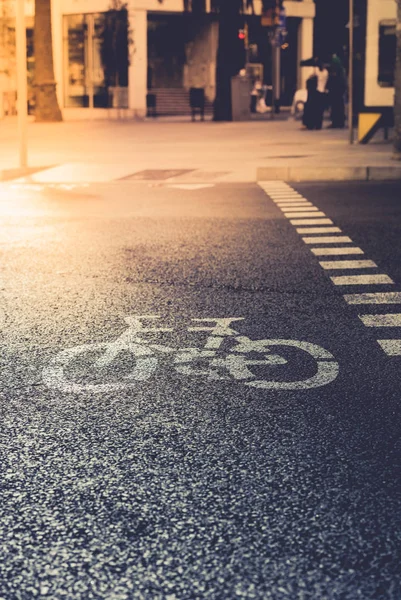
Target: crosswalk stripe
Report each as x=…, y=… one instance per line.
x=319, y=230
x=340, y=239
x=348, y=264
x=391, y=347
x=389, y=320
x=312, y=222
x=336, y=251
x=362, y=280
x=309, y=213
x=374, y=298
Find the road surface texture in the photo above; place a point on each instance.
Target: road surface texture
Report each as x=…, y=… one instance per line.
x=247, y=447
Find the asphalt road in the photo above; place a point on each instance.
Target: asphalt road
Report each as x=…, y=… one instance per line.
x=132, y=468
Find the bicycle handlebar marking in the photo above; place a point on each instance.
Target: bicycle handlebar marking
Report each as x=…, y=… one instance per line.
x=235, y=363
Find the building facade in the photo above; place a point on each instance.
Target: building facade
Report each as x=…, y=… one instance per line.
x=380, y=53
x=171, y=52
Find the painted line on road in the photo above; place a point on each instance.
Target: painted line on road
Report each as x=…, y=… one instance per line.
x=348, y=264
x=311, y=222
x=307, y=209
x=391, y=347
x=374, y=298
x=286, y=196
x=380, y=279
x=340, y=239
x=294, y=215
x=297, y=203
x=294, y=206
x=336, y=251
x=389, y=320
x=303, y=230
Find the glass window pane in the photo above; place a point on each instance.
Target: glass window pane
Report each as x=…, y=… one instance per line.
x=76, y=67
x=387, y=53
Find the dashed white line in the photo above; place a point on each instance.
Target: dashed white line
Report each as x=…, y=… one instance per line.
x=348, y=264
x=319, y=230
x=391, y=347
x=311, y=222
x=374, y=298
x=336, y=251
x=340, y=239
x=362, y=280
x=389, y=320
x=294, y=206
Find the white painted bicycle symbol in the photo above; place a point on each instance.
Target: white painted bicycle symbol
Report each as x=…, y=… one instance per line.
x=213, y=361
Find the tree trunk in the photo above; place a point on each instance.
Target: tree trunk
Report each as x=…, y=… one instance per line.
x=227, y=59
x=397, y=103
x=46, y=104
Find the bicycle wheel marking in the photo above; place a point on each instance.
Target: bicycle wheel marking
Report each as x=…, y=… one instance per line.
x=226, y=355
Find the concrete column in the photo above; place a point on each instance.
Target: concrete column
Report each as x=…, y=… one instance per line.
x=305, y=49
x=138, y=69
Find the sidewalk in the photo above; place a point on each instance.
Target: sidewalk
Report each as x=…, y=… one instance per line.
x=182, y=151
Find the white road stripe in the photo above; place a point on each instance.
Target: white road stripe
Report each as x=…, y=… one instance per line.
x=391, y=347
x=348, y=264
x=284, y=196
x=309, y=213
x=294, y=203
x=339, y=239
x=312, y=222
x=362, y=280
x=277, y=199
x=309, y=209
x=336, y=251
x=390, y=320
x=318, y=230
x=374, y=298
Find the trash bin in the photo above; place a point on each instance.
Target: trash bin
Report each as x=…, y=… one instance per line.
x=197, y=102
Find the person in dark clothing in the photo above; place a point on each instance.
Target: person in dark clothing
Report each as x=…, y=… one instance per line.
x=315, y=104
x=308, y=118
x=337, y=86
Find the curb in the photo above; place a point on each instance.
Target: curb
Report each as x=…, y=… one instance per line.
x=10, y=174
x=328, y=173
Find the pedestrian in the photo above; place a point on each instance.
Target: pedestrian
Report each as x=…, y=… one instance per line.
x=337, y=86
x=316, y=102
x=255, y=94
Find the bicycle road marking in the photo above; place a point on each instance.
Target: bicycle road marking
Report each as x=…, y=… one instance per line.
x=281, y=193
x=217, y=363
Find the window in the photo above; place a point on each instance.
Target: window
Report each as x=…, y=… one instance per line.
x=86, y=76
x=387, y=53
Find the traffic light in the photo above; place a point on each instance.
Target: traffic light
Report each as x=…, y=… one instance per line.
x=243, y=35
